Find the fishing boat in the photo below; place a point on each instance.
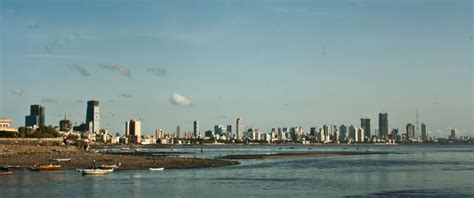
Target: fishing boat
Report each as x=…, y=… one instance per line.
x=94, y=171
x=6, y=173
x=49, y=167
x=110, y=166
x=8, y=167
x=156, y=169
x=61, y=159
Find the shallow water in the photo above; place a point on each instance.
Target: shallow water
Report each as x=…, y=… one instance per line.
x=422, y=170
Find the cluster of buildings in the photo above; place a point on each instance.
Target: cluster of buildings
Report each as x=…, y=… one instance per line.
x=91, y=131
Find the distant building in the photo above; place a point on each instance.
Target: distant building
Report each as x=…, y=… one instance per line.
x=229, y=131
x=353, y=133
x=36, y=116
x=383, y=125
x=196, y=129
x=133, y=131
x=5, y=128
x=65, y=125
x=424, y=136
x=178, y=132
x=219, y=129
x=410, y=130
x=365, y=124
x=342, y=132
x=453, y=134
x=239, y=128
x=93, y=116
x=313, y=131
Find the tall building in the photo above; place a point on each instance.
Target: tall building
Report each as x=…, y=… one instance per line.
x=342, y=132
x=383, y=125
x=93, y=116
x=353, y=133
x=36, y=116
x=453, y=134
x=410, y=131
x=424, y=137
x=229, y=131
x=133, y=130
x=178, y=132
x=196, y=129
x=365, y=124
x=239, y=128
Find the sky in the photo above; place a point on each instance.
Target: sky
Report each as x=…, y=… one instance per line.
x=271, y=63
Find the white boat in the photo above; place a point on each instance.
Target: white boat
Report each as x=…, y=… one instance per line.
x=156, y=169
x=61, y=159
x=94, y=172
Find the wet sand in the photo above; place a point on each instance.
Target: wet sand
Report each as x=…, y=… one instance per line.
x=27, y=156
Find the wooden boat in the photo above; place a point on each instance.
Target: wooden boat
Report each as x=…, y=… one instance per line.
x=49, y=167
x=156, y=169
x=6, y=173
x=61, y=159
x=94, y=171
x=8, y=167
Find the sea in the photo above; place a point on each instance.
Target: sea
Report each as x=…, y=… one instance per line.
x=409, y=171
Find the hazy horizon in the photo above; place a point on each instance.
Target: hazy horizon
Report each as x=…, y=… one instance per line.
x=271, y=63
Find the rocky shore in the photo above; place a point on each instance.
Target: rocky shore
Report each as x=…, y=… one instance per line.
x=26, y=156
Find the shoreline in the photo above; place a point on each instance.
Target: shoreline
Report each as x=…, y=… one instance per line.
x=27, y=156
x=304, y=154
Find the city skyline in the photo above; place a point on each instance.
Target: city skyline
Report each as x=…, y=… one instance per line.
x=269, y=63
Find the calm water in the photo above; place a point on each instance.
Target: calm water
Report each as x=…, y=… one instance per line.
x=424, y=171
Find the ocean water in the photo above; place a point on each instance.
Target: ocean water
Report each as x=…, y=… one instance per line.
x=413, y=171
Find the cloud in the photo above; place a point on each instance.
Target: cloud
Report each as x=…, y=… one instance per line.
x=117, y=68
x=157, y=71
x=80, y=69
x=126, y=95
x=180, y=100
x=48, y=100
x=17, y=92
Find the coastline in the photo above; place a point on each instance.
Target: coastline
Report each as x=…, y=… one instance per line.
x=27, y=156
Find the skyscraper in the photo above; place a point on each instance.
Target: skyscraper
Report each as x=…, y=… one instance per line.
x=424, y=137
x=229, y=131
x=342, y=132
x=178, y=132
x=134, y=131
x=365, y=124
x=239, y=128
x=93, y=115
x=196, y=128
x=383, y=125
x=36, y=116
x=410, y=131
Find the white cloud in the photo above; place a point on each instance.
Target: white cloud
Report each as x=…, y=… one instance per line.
x=80, y=69
x=17, y=92
x=180, y=100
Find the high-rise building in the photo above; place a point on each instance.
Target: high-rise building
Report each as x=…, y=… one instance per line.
x=365, y=124
x=342, y=132
x=410, y=129
x=424, y=137
x=453, y=134
x=196, y=129
x=36, y=116
x=229, y=131
x=383, y=125
x=353, y=133
x=178, y=132
x=133, y=130
x=93, y=116
x=239, y=128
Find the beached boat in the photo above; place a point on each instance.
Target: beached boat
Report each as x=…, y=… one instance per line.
x=156, y=169
x=61, y=159
x=94, y=171
x=6, y=173
x=8, y=167
x=49, y=167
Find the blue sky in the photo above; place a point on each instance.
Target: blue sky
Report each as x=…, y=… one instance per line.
x=272, y=63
